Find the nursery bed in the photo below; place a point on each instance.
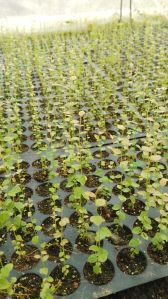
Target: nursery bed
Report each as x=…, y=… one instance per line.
x=84, y=139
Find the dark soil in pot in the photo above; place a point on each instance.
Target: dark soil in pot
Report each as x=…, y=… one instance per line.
x=102, y=278
x=27, y=286
x=53, y=249
x=89, y=169
x=22, y=128
x=91, y=136
x=3, y=295
x=75, y=220
x=162, y=167
x=83, y=242
x=100, y=154
x=123, y=158
x=139, y=144
x=41, y=175
x=151, y=232
x=107, y=164
x=63, y=171
x=28, y=260
x=3, y=260
x=2, y=169
x=25, y=233
x=133, y=209
x=22, y=178
x=45, y=205
x=3, y=235
x=41, y=127
x=158, y=256
x=143, y=184
x=110, y=134
x=129, y=263
x=36, y=147
x=2, y=179
x=60, y=160
x=39, y=164
x=92, y=181
x=33, y=136
x=26, y=194
x=23, y=137
x=107, y=212
x=141, y=156
x=21, y=165
x=29, y=209
x=43, y=189
x=115, y=175
x=70, y=203
x=102, y=193
x=65, y=188
x=50, y=225
x=121, y=235
x=69, y=283
x=127, y=194
x=2, y=197
x=22, y=148
x=107, y=123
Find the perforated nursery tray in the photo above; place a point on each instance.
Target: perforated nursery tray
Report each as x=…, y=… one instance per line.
x=120, y=280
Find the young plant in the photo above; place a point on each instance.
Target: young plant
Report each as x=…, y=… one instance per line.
x=100, y=254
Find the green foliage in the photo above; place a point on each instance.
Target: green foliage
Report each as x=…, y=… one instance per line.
x=6, y=283
x=90, y=92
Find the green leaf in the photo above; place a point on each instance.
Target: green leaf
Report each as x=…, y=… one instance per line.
x=102, y=257
x=77, y=192
x=50, y=279
x=116, y=207
x=162, y=227
x=103, y=233
x=100, y=202
x=4, y=218
x=87, y=195
x=126, y=190
x=44, y=271
x=4, y=284
x=104, y=179
x=99, y=172
x=5, y=271
x=94, y=248
x=64, y=221
x=19, y=205
x=92, y=258
x=97, y=220
x=121, y=215
x=46, y=292
x=81, y=179
x=35, y=239
x=144, y=236
x=97, y=268
x=116, y=151
x=15, y=190
x=155, y=158
x=136, y=230
x=38, y=228
x=134, y=243
x=17, y=221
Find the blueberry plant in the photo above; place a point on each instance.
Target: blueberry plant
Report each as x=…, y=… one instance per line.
x=83, y=148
